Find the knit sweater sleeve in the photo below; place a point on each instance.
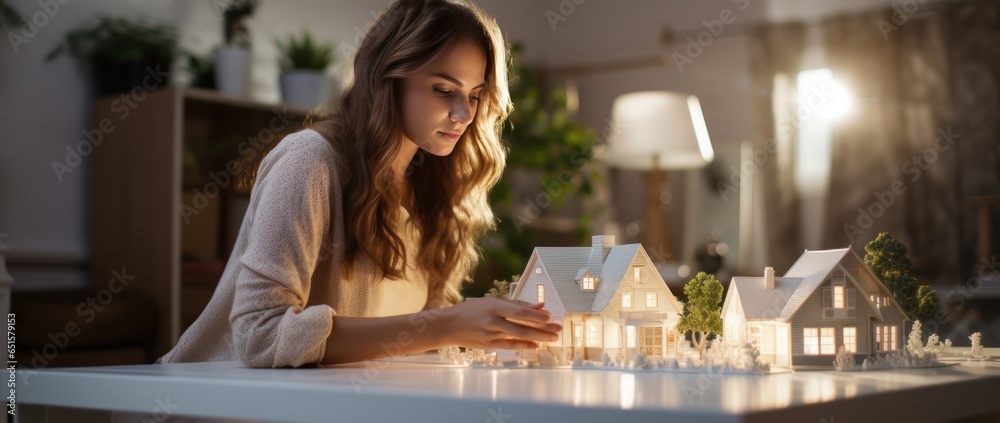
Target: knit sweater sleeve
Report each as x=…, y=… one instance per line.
x=272, y=325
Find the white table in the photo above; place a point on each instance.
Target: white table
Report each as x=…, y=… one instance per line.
x=425, y=393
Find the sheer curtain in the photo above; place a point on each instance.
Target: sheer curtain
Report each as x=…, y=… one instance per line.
x=923, y=136
x=775, y=53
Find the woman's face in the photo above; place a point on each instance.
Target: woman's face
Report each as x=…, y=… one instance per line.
x=438, y=105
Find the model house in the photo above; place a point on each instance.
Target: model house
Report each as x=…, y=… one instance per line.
x=607, y=297
x=826, y=299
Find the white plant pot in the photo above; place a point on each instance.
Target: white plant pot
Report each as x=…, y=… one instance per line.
x=305, y=87
x=232, y=71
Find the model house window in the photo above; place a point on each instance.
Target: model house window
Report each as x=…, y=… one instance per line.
x=626, y=300
x=638, y=275
x=577, y=334
x=826, y=341
x=651, y=300
x=538, y=270
x=541, y=293
x=755, y=336
x=875, y=299
x=851, y=339
x=591, y=334
x=885, y=301
x=816, y=341
x=588, y=283
x=838, y=302
x=810, y=341
x=630, y=336
x=838, y=297
x=885, y=335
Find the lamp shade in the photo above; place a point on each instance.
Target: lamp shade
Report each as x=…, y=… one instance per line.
x=658, y=130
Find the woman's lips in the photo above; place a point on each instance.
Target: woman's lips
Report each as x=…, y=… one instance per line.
x=451, y=136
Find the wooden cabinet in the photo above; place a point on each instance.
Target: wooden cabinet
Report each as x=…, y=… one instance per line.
x=162, y=204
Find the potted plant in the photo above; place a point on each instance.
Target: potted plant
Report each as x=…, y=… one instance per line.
x=121, y=52
x=303, y=62
x=232, y=61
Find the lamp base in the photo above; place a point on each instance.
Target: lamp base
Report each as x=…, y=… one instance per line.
x=658, y=238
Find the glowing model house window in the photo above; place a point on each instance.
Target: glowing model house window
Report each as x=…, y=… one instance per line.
x=591, y=334
x=577, y=334
x=638, y=275
x=651, y=300
x=626, y=300
x=755, y=336
x=885, y=335
x=538, y=270
x=876, y=300
x=816, y=341
x=810, y=341
x=826, y=341
x=851, y=339
x=838, y=297
x=630, y=336
x=588, y=283
x=541, y=293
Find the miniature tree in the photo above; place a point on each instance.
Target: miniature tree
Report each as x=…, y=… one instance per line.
x=977, y=347
x=844, y=360
x=703, y=311
x=933, y=345
x=501, y=289
x=913, y=345
x=886, y=257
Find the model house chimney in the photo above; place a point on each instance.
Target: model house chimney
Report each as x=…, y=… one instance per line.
x=769, y=277
x=600, y=246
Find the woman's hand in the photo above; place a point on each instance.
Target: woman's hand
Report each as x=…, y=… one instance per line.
x=499, y=323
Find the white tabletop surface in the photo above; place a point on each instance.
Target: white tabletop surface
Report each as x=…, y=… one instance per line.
x=415, y=392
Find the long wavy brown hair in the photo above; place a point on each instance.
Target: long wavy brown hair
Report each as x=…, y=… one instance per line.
x=450, y=192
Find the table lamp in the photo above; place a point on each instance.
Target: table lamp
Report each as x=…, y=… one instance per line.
x=658, y=131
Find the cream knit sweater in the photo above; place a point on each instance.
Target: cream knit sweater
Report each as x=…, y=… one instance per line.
x=275, y=303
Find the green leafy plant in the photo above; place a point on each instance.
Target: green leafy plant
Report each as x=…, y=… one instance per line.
x=304, y=53
x=119, y=40
x=121, y=52
x=887, y=258
x=702, y=312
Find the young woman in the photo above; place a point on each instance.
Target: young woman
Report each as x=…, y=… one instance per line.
x=362, y=227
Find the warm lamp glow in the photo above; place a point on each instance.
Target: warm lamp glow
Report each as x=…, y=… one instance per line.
x=659, y=130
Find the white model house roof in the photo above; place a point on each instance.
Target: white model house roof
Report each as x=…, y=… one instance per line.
x=615, y=266
x=811, y=268
x=562, y=265
x=759, y=302
x=790, y=291
x=565, y=265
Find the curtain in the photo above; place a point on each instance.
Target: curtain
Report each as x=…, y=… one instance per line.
x=775, y=53
x=923, y=134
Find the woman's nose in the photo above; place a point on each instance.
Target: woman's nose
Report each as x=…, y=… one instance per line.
x=461, y=112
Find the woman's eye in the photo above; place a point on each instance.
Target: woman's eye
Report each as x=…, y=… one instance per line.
x=442, y=92
x=474, y=98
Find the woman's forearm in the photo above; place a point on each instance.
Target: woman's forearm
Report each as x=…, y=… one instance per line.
x=365, y=338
